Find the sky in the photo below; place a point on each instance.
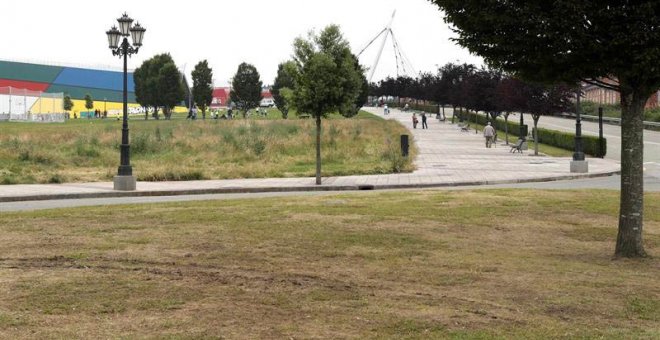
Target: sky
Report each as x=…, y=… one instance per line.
x=226, y=33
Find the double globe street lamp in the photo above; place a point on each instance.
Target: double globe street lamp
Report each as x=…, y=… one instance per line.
x=125, y=179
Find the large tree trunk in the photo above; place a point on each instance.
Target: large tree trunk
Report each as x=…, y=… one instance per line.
x=631, y=205
x=318, y=149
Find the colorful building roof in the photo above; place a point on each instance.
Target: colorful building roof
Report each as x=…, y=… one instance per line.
x=76, y=82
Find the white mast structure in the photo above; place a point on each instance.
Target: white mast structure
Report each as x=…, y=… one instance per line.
x=401, y=60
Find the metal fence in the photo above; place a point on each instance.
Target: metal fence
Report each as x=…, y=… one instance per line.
x=28, y=105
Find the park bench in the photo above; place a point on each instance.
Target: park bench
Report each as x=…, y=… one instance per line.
x=518, y=146
x=464, y=127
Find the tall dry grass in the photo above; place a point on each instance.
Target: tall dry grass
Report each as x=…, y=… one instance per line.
x=87, y=151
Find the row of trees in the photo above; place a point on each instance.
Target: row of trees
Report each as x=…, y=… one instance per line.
x=612, y=44
x=324, y=76
x=160, y=85
x=490, y=91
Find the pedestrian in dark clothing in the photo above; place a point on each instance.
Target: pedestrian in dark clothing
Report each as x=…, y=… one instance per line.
x=424, y=125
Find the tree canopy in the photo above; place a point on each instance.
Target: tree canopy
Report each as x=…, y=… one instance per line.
x=246, y=88
x=155, y=84
x=329, y=79
x=202, y=91
x=611, y=43
x=285, y=79
x=89, y=102
x=68, y=103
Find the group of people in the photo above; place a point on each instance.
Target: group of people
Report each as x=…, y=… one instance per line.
x=489, y=131
x=415, y=121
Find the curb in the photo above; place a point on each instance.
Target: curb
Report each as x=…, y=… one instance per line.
x=309, y=188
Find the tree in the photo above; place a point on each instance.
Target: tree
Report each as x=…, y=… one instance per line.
x=326, y=79
x=89, y=102
x=510, y=92
x=613, y=44
x=545, y=100
x=68, y=104
x=202, y=91
x=148, y=85
x=285, y=79
x=170, y=89
x=246, y=88
x=454, y=75
x=358, y=85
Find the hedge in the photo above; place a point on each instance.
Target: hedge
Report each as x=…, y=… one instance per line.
x=417, y=107
x=563, y=140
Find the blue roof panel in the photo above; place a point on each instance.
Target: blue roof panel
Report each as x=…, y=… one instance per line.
x=97, y=79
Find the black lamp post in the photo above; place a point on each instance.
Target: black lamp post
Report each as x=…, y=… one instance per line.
x=578, y=155
x=125, y=179
x=579, y=163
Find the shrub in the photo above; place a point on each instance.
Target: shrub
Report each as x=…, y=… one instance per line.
x=143, y=144
x=258, y=146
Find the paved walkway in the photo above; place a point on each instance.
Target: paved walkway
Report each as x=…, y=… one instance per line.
x=447, y=157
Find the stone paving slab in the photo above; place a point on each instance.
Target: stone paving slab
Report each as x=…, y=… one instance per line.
x=446, y=157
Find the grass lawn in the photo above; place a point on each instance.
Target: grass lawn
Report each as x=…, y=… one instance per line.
x=86, y=150
x=407, y=265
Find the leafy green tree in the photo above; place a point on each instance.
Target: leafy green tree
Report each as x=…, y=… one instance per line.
x=357, y=83
x=543, y=100
x=147, y=78
x=612, y=43
x=89, y=102
x=202, y=91
x=246, y=88
x=285, y=79
x=327, y=81
x=170, y=89
x=68, y=103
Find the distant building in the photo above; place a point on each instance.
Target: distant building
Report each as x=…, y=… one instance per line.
x=220, y=97
x=599, y=95
x=267, y=99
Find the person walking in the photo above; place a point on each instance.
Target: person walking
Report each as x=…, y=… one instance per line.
x=414, y=120
x=489, y=133
x=424, y=125
x=386, y=110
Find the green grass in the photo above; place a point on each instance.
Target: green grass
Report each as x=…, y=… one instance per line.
x=419, y=265
x=83, y=150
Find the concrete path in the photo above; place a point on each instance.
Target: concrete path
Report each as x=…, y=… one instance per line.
x=447, y=157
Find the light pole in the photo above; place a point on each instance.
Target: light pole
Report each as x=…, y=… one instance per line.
x=125, y=179
x=579, y=164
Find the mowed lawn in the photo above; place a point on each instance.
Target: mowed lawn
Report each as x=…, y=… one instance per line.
x=87, y=150
x=432, y=264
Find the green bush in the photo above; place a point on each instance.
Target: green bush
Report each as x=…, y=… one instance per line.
x=432, y=108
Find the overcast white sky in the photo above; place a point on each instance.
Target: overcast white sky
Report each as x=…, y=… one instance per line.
x=225, y=33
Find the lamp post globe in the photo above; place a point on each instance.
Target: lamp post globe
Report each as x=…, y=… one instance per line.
x=118, y=43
